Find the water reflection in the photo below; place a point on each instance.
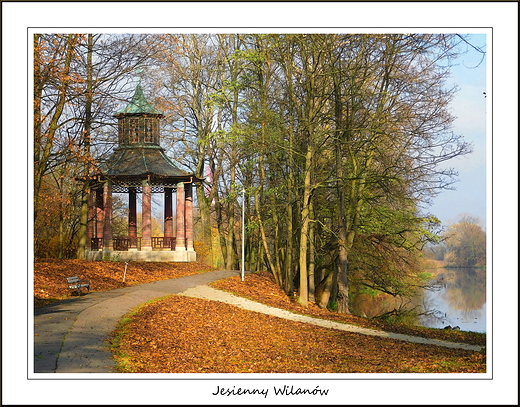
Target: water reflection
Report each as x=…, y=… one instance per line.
x=460, y=301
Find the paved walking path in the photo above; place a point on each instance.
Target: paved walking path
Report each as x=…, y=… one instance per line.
x=70, y=336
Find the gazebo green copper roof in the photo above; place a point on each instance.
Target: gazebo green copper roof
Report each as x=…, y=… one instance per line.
x=139, y=104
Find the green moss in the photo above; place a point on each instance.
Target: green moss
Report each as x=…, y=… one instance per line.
x=425, y=276
x=332, y=306
x=367, y=290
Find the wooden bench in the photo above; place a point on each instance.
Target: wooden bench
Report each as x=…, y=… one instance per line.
x=76, y=284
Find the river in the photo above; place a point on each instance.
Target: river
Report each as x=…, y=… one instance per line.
x=460, y=301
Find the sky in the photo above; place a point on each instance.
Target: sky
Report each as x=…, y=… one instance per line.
x=470, y=108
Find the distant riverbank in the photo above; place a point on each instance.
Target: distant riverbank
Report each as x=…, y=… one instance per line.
x=459, y=299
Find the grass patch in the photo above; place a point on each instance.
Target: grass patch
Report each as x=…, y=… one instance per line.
x=125, y=363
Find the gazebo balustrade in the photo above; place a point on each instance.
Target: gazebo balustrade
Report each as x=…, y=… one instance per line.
x=163, y=243
x=127, y=243
x=96, y=243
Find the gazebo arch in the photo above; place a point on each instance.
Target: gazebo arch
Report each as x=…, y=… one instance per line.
x=139, y=165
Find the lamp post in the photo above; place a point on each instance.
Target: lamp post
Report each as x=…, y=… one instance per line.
x=243, y=231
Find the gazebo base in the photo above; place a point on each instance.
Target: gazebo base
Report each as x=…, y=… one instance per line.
x=142, y=255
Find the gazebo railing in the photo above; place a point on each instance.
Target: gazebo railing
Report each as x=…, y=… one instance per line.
x=96, y=243
x=163, y=243
x=120, y=243
x=126, y=243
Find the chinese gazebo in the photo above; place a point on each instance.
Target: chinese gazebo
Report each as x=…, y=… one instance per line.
x=139, y=165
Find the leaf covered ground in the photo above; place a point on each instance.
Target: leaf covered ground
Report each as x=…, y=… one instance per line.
x=50, y=275
x=189, y=335
x=261, y=287
x=192, y=335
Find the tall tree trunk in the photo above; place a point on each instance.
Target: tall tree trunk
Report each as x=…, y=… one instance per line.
x=38, y=89
x=312, y=253
x=258, y=193
x=221, y=228
x=288, y=268
x=230, y=237
x=272, y=256
x=272, y=265
x=205, y=200
x=341, y=266
x=304, y=233
x=231, y=255
x=82, y=232
x=324, y=289
x=205, y=224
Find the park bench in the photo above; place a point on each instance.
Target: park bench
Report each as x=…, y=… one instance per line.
x=75, y=284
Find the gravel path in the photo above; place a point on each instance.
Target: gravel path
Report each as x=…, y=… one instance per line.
x=210, y=293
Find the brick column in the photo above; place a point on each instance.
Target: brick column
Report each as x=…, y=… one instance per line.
x=188, y=192
x=180, y=241
x=107, y=224
x=146, y=240
x=168, y=212
x=132, y=218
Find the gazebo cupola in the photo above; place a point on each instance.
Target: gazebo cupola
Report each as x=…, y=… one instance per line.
x=138, y=122
x=139, y=165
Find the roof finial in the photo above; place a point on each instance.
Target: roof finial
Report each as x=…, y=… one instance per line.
x=138, y=69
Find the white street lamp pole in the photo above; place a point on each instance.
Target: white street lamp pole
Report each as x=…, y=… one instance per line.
x=243, y=231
